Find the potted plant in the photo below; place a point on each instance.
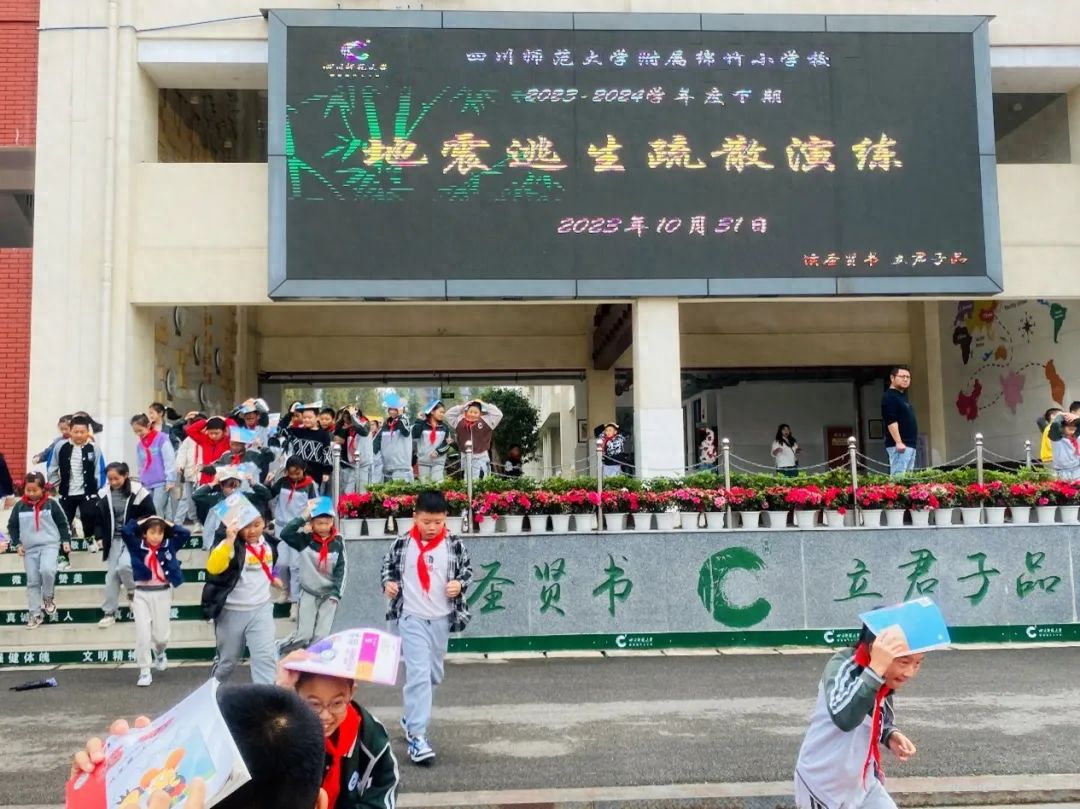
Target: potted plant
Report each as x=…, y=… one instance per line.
x=948, y=497
x=487, y=508
x=921, y=501
x=836, y=501
x=577, y=502
x=611, y=505
x=894, y=501
x=1058, y=495
x=976, y=497
x=715, y=509
x=547, y=505
x=776, y=506
x=1021, y=497
x=457, y=503
x=518, y=504
x=748, y=503
x=689, y=503
x=349, y=518
x=806, y=501
x=399, y=507
x=664, y=508
x=870, y=499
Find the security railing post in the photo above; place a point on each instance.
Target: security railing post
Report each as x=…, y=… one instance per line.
x=854, y=463
x=725, y=448
x=335, y=476
x=1027, y=453
x=469, y=484
x=599, y=484
x=979, y=456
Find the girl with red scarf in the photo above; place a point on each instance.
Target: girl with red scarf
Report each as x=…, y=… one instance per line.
x=360, y=771
x=1064, y=444
x=38, y=530
x=840, y=760
x=431, y=442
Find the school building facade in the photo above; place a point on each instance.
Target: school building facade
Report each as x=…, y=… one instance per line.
x=150, y=267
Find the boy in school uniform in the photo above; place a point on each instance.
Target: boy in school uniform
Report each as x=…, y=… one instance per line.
x=375, y=435
x=431, y=439
x=212, y=435
x=226, y=481
x=64, y=427
x=321, y=550
x=425, y=575
x=77, y=474
x=310, y=443
x=153, y=544
x=353, y=434
x=254, y=415
x=38, y=530
x=155, y=461
x=189, y=465
x=475, y=421
x=397, y=446
x=246, y=454
x=839, y=763
x=237, y=595
x=289, y=498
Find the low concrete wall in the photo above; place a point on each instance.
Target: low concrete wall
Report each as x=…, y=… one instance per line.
x=557, y=591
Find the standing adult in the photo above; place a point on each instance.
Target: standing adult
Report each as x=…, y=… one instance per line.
x=901, y=428
x=785, y=451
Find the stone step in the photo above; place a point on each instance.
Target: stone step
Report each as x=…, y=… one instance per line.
x=75, y=597
x=17, y=638
x=191, y=558
x=36, y=655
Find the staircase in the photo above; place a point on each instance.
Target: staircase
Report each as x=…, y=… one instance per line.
x=72, y=634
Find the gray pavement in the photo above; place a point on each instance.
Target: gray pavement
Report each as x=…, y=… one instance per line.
x=621, y=721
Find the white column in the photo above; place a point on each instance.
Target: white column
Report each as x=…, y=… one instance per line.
x=659, y=441
x=600, y=390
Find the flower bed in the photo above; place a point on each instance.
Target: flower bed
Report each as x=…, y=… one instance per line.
x=494, y=498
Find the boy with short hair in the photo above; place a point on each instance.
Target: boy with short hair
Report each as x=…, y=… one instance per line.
x=321, y=550
x=397, y=445
x=432, y=438
x=289, y=498
x=425, y=575
x=310, y=443
x=64, y=427
x=212, y=435
x=840, y=764
x=353, y=435
x=475, y=421
x=78, y=473
x=155, y=461
x=226, y=480
x=246, y=454
x=1046, y=448
x=375, y=436
x=153, y=543
x=189, y=465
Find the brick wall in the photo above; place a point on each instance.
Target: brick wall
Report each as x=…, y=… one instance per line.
x=18, y=119
x=15, y=270
x=18, y=72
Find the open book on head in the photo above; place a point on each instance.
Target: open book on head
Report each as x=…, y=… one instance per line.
x=189, y=741
x=920, y=620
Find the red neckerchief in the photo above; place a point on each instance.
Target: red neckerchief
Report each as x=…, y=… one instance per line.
x=260, y=554
x=434, y=428
x=421, y=565
x=873, y=755
x=154, y=564
x=350, y=445
x=391, y=423
x=346, y=738
x=1075, y=443
x=324, y=551
x=147, y=441
x=37, y=506
x=307, y=481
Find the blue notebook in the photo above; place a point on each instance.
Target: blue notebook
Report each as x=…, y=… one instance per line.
x=921, y=620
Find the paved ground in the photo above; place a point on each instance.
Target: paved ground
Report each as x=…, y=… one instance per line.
x=528, y=724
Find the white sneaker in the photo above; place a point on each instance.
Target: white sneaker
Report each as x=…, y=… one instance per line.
x=161, y=661
x=145, y=678
x=107, y=621
x=63, y=565
x=92, y=547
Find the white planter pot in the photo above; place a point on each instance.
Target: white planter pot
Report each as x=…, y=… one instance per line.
x=352, y=529
x=971, y=515
x=665, y=520
x=920, y=518
x=615, y=521
x=403, y=525
x=714, y=520
x=1070, y=515
x=375, y=526
x=1047, y=514
x=514, y=523
x=689, y=520
x=834, y=519
x=453, y=525
x=584, y=522
x=775, y=519
x=943, y=517
x=749, y=520
x=995, y=515
x=894, y=517
x=488, y=525
x=1021, y=515
x=805, y=518
x=560, y=523
x=871, y=518
x=642, y=521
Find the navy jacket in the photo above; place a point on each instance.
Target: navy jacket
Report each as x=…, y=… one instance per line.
x=176, y=538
